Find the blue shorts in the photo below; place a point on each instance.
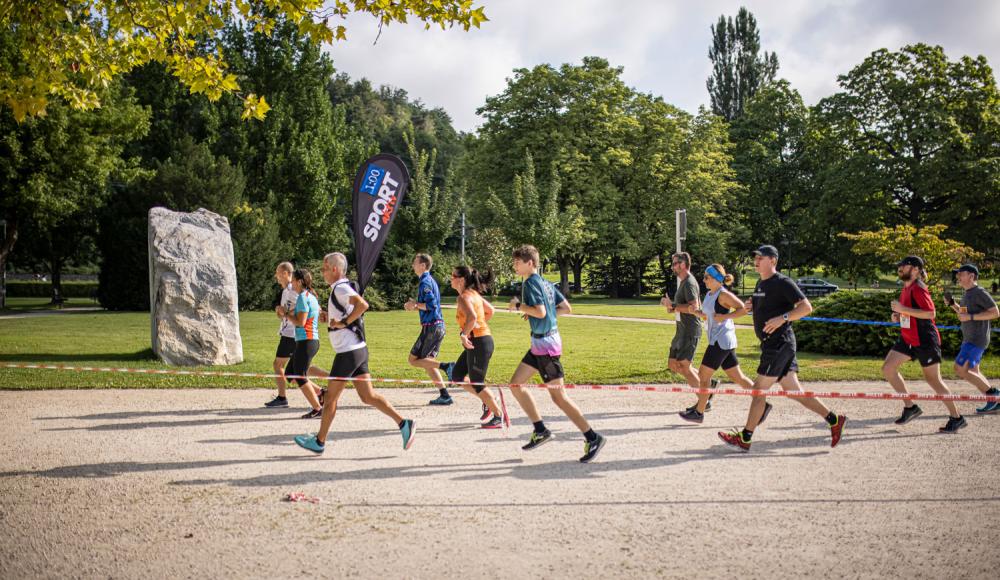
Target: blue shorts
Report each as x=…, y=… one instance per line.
x=969, y=353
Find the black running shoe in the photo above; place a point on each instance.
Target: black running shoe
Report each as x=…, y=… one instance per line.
x=953, y=425
x=767, y=411
x=692, y=415
x=537, y=440
x=277, y=402
x=909, y=414
x=313, y=413
x=592, y=448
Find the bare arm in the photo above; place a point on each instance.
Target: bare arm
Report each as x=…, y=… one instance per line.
x=488, y=310
x=730, y=300
x=991, y=314
x=564, y=307
x=470, y=314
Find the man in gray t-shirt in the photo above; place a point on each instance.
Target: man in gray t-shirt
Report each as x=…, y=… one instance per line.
x=685, y=304
x=976, y=309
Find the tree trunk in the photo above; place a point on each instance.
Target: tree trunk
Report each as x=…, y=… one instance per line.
x=578, y=273
x=563, y=262
x=6, y=247
x=55, y=266
x=615, y=287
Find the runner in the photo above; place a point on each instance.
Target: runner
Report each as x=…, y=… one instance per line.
x=345, y=310
x=539, y=304
x=975, y=311
x=719, y=308
x=776, y=302
x=474, y=314
x=428, y=344
x=685, y=305
x=305, y=317
x=284, y=303
x=919, y=340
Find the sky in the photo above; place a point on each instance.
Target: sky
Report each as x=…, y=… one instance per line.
x=662, y=45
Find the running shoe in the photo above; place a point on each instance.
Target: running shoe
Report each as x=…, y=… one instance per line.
x=449, y=370
x=487, y=415
x=313, y=413
x=277, y=402
x=537, y=440
x=734, y=438
x=953, y=425
x=309, y=442
x=442, y=401
x=592, y=448
x=909, y=414
x=767, y=411
x=494, y=423
x=837, y=430
x=708, y=405
x=692, y=416
x=409, y=429
x=991, y=407
x=714, y=385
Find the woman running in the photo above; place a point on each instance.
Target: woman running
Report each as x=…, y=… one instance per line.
x=474, y=314
x=719, y=308
x=305, y=317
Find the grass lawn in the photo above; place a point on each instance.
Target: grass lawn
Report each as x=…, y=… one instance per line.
x=595, y=350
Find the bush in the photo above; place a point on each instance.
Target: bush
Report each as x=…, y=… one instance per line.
x=863, y=340
x=30, y=289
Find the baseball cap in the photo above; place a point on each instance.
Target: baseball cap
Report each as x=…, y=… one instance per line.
x=915, y=261
x=766, y=250
x=967, y=268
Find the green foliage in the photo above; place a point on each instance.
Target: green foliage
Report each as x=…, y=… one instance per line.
x=258, y=249
x=490, y=250
x=738, y=68
x=890, y=245
x=29, y=289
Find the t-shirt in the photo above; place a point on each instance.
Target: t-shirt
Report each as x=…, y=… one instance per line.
x=342, y=339
x=773, y=297
x=688, y=325
x=429, y=294
x=537, y=291
x=918, y=331
x=288, y=299
x=307, y=302
x=482, y=328
x=977, y=300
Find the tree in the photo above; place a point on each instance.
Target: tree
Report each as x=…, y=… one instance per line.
x=72, y=49
x=739, y=70
x=890, y=245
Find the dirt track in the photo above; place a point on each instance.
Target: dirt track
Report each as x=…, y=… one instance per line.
x=189, y=484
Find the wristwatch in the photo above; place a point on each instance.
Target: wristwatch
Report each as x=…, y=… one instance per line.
x=784, y=317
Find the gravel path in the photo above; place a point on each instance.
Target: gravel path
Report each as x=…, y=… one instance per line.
x=189, y=483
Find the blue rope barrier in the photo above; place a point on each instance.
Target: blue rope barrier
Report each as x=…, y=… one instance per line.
x=871, y=322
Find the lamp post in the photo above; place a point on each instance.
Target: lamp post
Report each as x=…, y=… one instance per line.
x=3, y=275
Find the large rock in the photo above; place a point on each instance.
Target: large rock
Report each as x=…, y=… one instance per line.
x=192, y=289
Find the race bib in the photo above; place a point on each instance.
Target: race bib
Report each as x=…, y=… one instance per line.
x=904, y=321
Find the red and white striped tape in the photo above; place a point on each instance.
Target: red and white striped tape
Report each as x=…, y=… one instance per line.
x=643, y=387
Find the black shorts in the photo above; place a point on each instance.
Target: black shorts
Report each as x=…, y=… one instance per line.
x=925, y=354
x=350, y=364
x=777, y=360
x=428, y=344
x=305, y=351
x=548, y=366
x=716, y=357
x=473, y=363
x=286, y=347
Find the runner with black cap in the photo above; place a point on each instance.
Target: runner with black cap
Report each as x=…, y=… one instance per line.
x=975, y=311
x=777, y=301
x=919, y=340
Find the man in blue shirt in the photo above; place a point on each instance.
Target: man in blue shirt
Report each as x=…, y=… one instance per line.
x=428, y=344
x=540, y=303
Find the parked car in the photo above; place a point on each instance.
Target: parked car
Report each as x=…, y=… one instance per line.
x=816, y=286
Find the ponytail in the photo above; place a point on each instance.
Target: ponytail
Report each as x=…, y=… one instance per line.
x=305, y=277
x=475, y=280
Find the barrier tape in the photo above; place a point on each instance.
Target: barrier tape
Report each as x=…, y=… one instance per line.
x=639, y=387
x=871, y=322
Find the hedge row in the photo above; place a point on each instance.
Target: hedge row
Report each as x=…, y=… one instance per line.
x=30, y=289
x=864, y=340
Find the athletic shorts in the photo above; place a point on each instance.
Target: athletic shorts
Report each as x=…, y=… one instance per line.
x=778, y=360
x=305, y=351
x=971, y=354
x=925, y=354
x=428, y=344
x=473, y=363
x=350, y=364
x=550, y=367
x=716, y=357
x=286, y=347
x=682, y=347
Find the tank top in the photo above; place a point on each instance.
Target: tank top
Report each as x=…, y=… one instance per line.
x=722, y=332
x=476, y=301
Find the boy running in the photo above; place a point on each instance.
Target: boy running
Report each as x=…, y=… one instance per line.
x=344, y=311
x=428, y=344
x=540, y=302
x=975, y=311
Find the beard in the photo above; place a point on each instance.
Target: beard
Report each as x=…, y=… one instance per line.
x=906, y=277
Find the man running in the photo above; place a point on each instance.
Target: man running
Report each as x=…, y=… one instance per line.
x=344, y=311
x=776, y=302
x=540, y=303
x=428, y=344
x=688, y=328
x=975, y=311
x=919, y=340
x=284, y=304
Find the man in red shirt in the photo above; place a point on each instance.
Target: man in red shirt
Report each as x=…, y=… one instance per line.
x=919, y=341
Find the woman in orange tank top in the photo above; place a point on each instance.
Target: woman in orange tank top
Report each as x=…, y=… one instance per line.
x=474, y=314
